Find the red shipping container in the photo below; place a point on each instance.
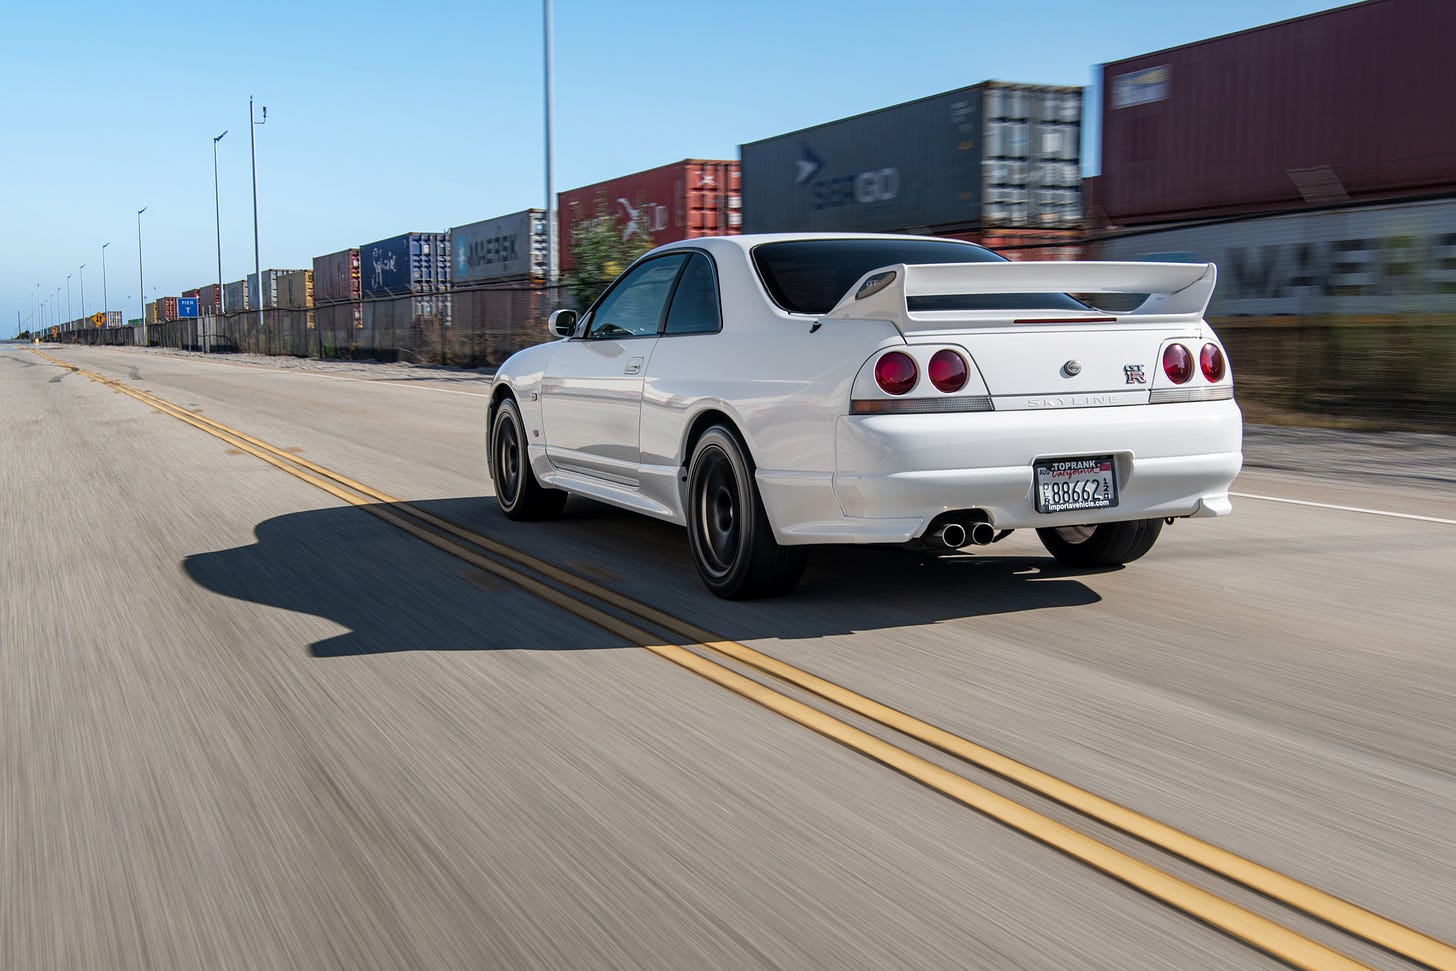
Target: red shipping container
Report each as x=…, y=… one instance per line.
x=684, y=200
x=1346, y=104
x=208, y=298
x=336, y=277
x=166, y=308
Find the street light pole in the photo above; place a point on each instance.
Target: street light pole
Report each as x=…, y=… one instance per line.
x=217, y=213
x=553, y=259
x=82, y=272
x=69, y=318
x=141, y=279
x=105, y=304
x=257, y=260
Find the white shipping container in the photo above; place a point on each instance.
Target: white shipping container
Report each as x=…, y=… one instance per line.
x=235, y=296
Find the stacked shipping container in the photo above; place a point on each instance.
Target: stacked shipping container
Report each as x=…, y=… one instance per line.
x=337, y=291
x=270, y=290
x=209, y=299
x=336, y=277
x=991, y=156
x=294, y=290
x=507, y=248
x=1324, y=109
x=235, y=296
x=684, y=200
x=405, y=264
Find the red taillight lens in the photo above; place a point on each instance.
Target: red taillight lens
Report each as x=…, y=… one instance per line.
x=1210, y=359
x=1177, y=363
x=896, y=372
x=947, y=371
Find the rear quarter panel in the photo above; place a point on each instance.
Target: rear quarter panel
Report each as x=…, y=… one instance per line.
x=783, y=380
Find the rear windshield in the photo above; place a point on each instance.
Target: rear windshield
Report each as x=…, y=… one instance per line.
x=809, y=276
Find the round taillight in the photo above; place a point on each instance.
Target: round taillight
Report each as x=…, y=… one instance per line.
x=947, y=371
x=1177, y=363
x=1210, y=359
x=896, y=372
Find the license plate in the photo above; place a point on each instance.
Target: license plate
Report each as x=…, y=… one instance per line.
x=1072, y=485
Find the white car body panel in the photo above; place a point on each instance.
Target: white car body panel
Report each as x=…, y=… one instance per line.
x=785, y=382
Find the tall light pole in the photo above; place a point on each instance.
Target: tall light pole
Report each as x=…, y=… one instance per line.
x=553, y=259
x=105, y=303
x=82, y=272
x=69, y=318
x=217, y=213
x=257, y=260
x=141, y=280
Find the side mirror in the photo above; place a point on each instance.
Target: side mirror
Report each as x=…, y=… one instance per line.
x=562, y=323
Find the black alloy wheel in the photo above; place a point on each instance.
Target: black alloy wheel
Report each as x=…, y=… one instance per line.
x=520, y=495
x=732, y=542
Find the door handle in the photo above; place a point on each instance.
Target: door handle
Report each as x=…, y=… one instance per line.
x=633, y=366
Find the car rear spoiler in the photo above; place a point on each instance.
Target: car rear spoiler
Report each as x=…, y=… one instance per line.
x=1176, y=290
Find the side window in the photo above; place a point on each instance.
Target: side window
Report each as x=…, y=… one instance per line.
x=695, y=303
x=634, y=306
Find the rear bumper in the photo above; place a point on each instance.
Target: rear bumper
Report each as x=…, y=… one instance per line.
x=898, y=472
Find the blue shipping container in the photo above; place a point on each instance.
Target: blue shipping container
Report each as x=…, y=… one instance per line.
x=410, y=263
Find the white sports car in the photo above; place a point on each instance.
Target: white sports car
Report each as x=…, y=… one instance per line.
x=773, y=393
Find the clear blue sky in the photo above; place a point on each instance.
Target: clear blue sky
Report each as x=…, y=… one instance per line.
x=391, y=118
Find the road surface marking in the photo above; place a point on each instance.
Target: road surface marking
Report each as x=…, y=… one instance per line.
x=1326, y=505
x=1257, y=931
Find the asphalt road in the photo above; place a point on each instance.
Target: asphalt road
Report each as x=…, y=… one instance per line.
x=246, y=725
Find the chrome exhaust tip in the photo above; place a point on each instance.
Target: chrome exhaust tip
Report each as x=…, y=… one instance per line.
x=952, y=535
x=982, y=534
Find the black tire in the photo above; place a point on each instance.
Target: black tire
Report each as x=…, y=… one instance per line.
x=1106, y=544
x=733, y=544
x=520, y=496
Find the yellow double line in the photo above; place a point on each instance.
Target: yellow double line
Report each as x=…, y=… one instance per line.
x=566, y=590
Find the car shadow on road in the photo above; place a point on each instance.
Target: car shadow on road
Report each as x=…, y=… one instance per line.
x=393, y=592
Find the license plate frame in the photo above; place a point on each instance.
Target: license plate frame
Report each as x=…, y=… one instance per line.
x=1091, y=484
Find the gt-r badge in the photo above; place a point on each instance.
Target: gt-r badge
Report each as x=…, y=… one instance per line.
x=1134, y=374
x=1072, y=368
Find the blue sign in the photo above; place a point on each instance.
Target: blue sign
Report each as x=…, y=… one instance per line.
x=186, y=307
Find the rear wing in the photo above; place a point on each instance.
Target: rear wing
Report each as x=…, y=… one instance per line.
x=1175, y=290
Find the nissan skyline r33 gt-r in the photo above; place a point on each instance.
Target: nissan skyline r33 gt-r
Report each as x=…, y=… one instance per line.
x=773, y=393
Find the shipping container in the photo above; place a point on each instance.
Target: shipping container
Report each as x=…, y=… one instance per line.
x=1348, y=104
x=270, y=289
x=505, y=248
x=404, y=264
x=992, y=155
x=208, y=301
x=235, y=296
x=1376, y=260
x=336, y=277
x=150, y=312
x=294, y=290
x=166, y=309
x=684, y=200
x=196, y=292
